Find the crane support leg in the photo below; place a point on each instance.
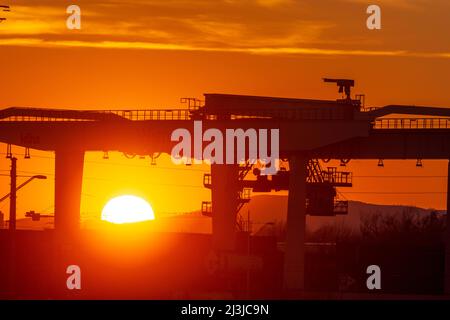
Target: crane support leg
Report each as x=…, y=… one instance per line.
x=68, y=183
x=447, y=237
x=294, y=257
x=224, y=194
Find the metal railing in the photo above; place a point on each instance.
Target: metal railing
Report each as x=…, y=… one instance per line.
x=412, y=123
x=206, y=208
x=245, y=194
x=368, y=109
x=207, y=181
x=98, y=115
x=157, y=114
x=338, y=177
x=25, y=118
x=44, y=115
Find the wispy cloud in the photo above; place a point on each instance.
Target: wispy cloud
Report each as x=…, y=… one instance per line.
x=251, y=26
x=257, y=50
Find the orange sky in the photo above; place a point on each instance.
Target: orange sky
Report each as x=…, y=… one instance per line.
x=147, y=54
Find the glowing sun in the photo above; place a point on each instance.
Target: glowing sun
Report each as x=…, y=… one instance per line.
x=127, y=209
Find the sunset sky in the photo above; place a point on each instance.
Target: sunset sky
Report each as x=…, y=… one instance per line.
x=147, y=54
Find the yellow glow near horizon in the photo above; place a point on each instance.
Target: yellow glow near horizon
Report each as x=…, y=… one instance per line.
x=127, y=209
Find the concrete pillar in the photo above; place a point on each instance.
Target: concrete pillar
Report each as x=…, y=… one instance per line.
x=447, y=237
x=68, y=183
x=294, y=257
x=224, y=194
x=13, y=195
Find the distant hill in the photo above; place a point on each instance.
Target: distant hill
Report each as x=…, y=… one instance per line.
x=273, y=208
x=263, y=209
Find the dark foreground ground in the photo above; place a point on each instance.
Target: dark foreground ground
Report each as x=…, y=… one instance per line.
x=132, y=263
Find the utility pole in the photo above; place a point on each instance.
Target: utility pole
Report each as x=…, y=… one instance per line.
x=12, y=199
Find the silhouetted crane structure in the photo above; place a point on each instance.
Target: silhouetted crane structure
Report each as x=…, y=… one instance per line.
x=309, y=130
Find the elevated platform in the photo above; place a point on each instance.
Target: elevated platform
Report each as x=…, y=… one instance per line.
x=308, y=130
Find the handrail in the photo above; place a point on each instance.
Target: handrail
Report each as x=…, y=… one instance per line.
x=411, y=123
x=45, y=115
x=152, y=114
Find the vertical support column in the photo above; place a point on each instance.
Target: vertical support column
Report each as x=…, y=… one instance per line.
x=68, y=183
x=12, y=228
x=12, y=195
x=225, y=193
x=294, y=257
x=447, y=237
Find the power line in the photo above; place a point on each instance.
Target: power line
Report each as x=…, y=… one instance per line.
x=107, y=162
x=109, y=179
x=19, y=176
x=143, y=166
x=414, y=177
x=393, y=192
x=197, y=186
